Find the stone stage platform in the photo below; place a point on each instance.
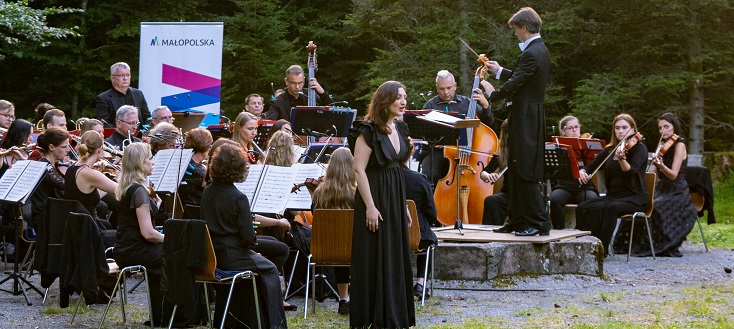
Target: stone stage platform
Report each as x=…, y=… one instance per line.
x=481, y=254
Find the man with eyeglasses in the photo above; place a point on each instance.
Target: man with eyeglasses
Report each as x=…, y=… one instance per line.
x=280, y=107
x=161, y=114
x=120, y=94
x=127, y=124
x=7, y=114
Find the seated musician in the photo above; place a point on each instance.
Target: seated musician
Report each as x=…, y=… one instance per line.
x=280, y=149
x=200, y=141
x=15, y=144
x=126, y=126
x=88, y=186
x=41, y=110
x=54, y=144
x=244, y=132
x=255, y=104
x=624, y=176
x=269, y=246
x=7, y=114
x=280, y=107
x=569, y=191
x=433, y=163
x=336, y=191
x=138, y=242
x=161, y=114
x=227, y=213
x=54, y=118
x=163, y=137
x=92, y=124
x=496, y=205
x=418, y=189
x=674, y=214
x=281, y=124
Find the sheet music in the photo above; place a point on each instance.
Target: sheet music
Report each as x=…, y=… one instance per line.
x=441, y=117
x=273, y=192
x=169, y=167
x=301, y=199
x=249, y=186
x=18, y=182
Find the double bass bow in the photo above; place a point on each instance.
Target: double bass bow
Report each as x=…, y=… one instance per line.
x=460, y=194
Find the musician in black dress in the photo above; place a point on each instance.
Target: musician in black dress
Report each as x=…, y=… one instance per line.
x=624, y=176
x=138, y=242
x=54, y=144
x=569, y=191
x=200, y=141
x=227, y=213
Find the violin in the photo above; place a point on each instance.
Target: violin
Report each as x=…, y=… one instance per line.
x=310, y=183
x=62, y=166
x=629, y=142
x=664, y=147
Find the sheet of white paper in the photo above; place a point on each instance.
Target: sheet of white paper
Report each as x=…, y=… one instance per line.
x=301, y=198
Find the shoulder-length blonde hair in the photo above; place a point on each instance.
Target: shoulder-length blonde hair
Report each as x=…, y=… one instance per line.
x=132, y=167
x=339, y=186
x=379, y=108
x=280, y=149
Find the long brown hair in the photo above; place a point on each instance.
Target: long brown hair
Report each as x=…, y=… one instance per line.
x=340, y=184
x=630, y=120
x=379, y=108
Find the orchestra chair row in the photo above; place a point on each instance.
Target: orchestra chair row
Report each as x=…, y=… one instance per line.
x=699, y=200
x=650, y=180
x=331, y=245
x=430, y=251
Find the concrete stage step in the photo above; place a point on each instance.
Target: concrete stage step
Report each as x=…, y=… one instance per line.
x=485, y=261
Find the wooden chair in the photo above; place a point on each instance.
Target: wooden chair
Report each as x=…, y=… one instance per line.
x=699, y=200
x=415, y=238
x=650, y=180
x=331, y=245
x=207, y=276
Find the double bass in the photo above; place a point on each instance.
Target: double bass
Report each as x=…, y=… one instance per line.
x=460, y=195
x=311, y=72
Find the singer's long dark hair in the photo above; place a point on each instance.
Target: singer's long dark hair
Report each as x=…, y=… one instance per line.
x=379, y=107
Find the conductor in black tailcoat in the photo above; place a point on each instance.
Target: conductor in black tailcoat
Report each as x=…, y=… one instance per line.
x=524, y=91
x=108, y=102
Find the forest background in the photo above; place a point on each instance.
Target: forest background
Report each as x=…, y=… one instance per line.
x=642, y=57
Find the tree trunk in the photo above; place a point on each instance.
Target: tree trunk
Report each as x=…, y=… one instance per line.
x=696, y=95
x=465, y=81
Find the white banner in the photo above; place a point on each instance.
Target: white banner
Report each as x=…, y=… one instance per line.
x=181, y=65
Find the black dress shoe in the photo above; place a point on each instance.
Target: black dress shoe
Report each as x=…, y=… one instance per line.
x=507, y=228
x=532, y=232
x=290, y=307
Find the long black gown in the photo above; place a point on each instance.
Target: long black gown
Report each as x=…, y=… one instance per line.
x=381, y=285
x=673, y=216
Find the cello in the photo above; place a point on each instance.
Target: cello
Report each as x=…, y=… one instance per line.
x=311, y=72
x=462, y=189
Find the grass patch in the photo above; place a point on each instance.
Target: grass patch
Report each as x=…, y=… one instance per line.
x=724, y=200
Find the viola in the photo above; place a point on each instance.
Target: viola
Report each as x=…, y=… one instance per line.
x=629, y=142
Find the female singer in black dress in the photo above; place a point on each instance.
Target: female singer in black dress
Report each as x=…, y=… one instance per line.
x=624, y=175
x=382, y=294
x=138, y=242
x=227, y=213
x=568, y=191
x=674, y=214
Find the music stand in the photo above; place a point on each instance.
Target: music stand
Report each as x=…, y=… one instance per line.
x=313, y=150
x=457, y=126
x=585, y=149
x=263, y=133
x=558, y=166
x=322, y=118
x=16, y=187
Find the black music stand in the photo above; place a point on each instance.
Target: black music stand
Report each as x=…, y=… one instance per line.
x=558, y=166
x=431, y=133
x=313, y=150
x=16, y=187
x=322, y=119
x=263, y=133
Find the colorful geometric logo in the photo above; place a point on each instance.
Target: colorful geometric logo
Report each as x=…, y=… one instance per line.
x=202, y=89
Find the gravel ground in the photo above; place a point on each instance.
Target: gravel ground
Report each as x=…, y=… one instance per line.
x=696, y=287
